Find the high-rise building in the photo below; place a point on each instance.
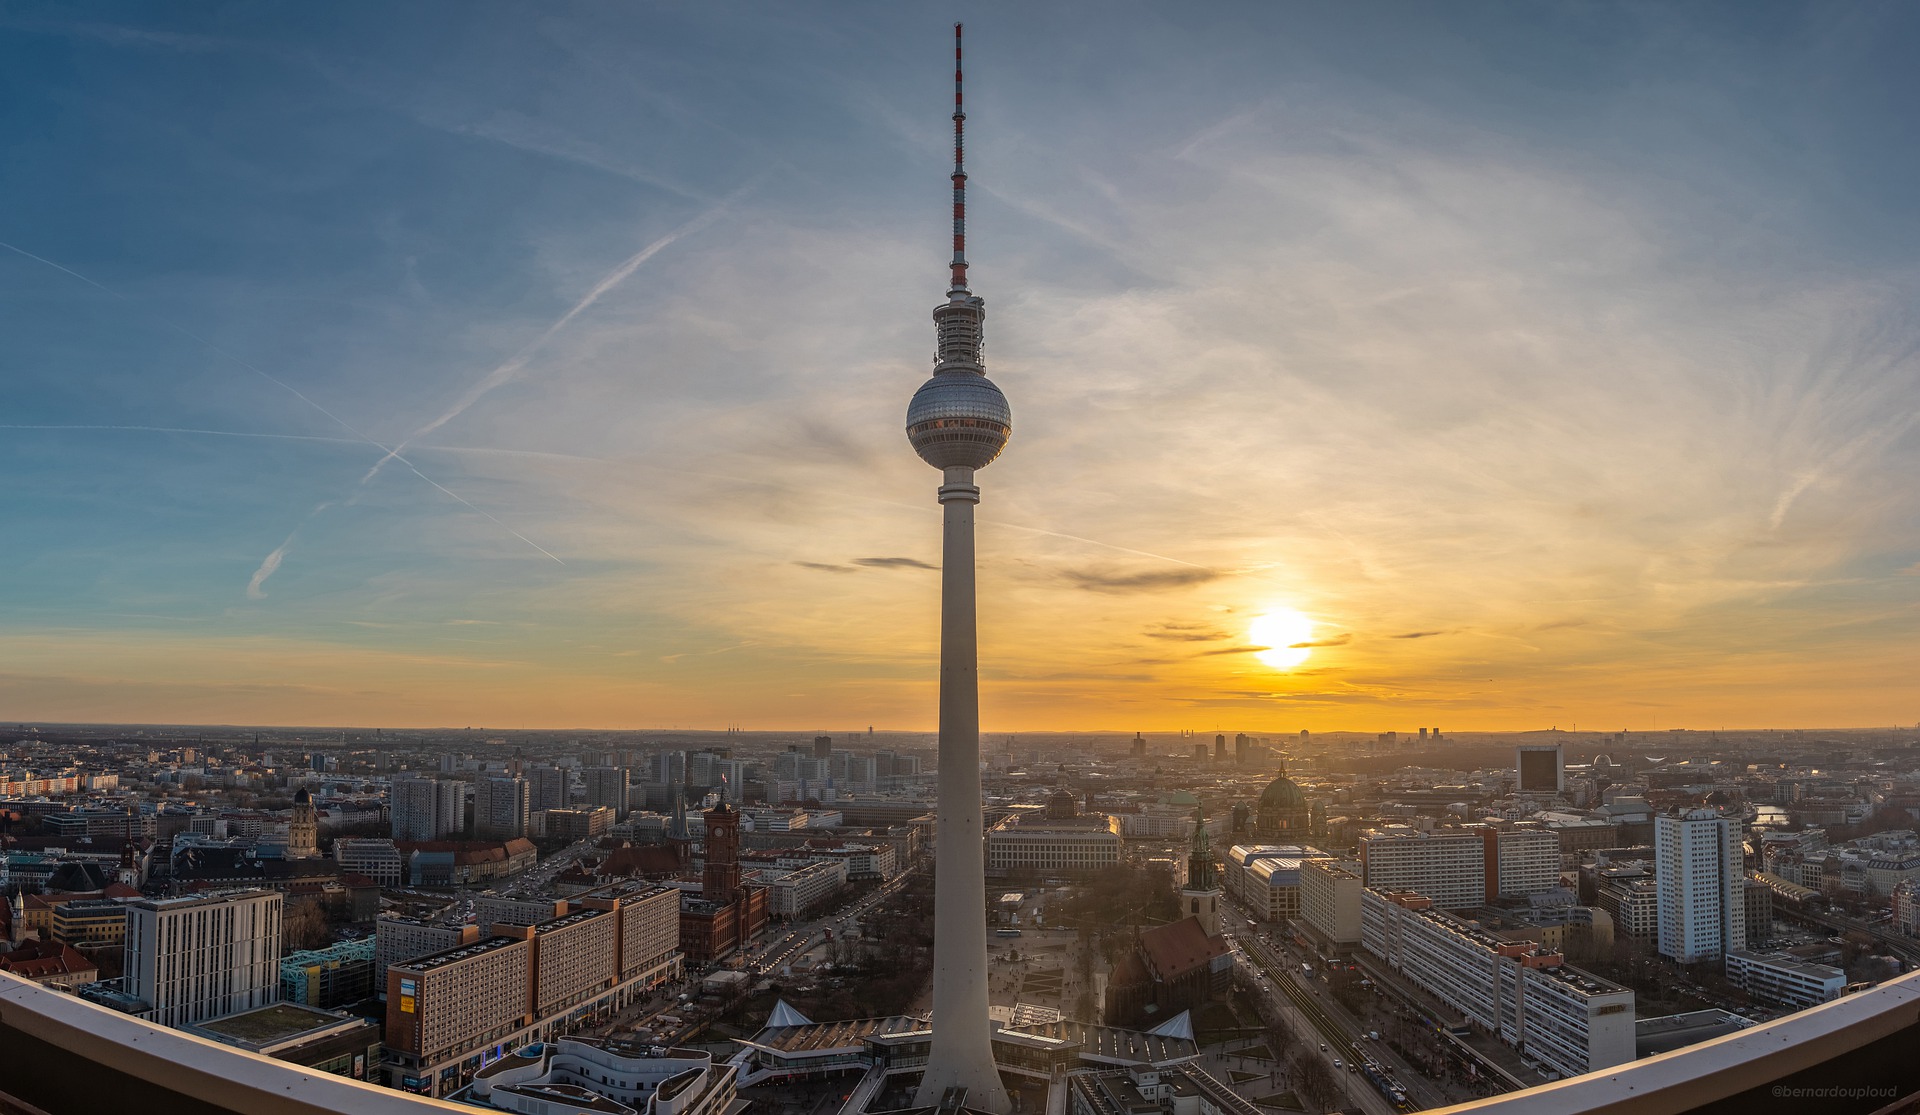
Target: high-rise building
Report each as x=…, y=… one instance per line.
x=1540, y=767
x=608, y=786
x=1139, y=750
x=1700, y=875
x=1220, y=748
x=427, y=808
x=959, y=422
x=191, y=959
x=500, y=808
x=548, y=788
x=822, y=746
x=1240, y=748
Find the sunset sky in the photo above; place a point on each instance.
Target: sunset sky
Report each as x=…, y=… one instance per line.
x=1559, y=363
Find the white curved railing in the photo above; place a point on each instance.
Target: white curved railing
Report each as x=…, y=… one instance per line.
x=198, y=1071
x=1816, y=1060
x=1772, y=1061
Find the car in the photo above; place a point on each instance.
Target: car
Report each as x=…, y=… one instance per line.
x=1338, y=1063
x=1323, y=1047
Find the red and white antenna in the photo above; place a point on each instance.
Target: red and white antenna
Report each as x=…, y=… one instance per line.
x=959, y=174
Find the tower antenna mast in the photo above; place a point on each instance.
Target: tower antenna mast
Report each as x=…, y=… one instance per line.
x=959, y=284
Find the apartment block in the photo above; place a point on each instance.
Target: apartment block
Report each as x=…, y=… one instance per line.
x=397, y=939
x=445, y=1008
x=1701, y=875
x=501, y=806
x=424, y=808
x=1449, y=866
x=1566, y=1019
x=575, y=957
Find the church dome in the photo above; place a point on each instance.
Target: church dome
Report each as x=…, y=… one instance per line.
x=301, y=797
x=1281, y=793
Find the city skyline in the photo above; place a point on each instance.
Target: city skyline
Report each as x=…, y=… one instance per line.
x=1519, y=369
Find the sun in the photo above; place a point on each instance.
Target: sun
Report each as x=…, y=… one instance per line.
x=1281, y=631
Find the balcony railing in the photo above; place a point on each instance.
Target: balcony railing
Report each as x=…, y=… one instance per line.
x=1854, y=1056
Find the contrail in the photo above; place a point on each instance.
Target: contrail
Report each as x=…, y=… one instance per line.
x=187, y=430
x=518, y=362
x=192, y=336
x=274, y=559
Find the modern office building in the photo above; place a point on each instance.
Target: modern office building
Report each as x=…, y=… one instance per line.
x=1566, y=1019
x=1701, y=879
x=378, y=860
x=336, y=976
x=91, y=923
x=1266, y=877
x=424, y=808
x=1541, y=768
x=191, y=959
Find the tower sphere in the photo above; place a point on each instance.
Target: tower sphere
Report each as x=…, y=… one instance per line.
x=959, y=420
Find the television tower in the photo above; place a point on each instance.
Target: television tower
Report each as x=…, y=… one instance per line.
x=958, y=422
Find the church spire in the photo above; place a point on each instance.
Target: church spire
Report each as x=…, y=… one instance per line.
x=1200, y=869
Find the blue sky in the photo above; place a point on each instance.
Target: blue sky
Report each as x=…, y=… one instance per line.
x=1576, y=340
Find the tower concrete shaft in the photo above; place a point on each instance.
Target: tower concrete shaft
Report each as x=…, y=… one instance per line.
x=962, y=1054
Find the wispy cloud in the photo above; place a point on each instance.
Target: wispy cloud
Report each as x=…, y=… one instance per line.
x=1137, y=580
x=1336, y=641
x=894, y=563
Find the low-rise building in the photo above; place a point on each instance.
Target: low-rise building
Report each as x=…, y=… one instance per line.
x=379, y=860
x=794, y=893
x=321, y=1040
x=91, y=923
x=1029, y=844
x=572, y=1073
x=1776, y=977
x=335, y=976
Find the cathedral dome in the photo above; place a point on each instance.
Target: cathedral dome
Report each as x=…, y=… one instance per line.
x=1281, y=793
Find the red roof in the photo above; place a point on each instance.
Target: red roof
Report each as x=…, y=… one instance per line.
x=646, y=859
x=35, y=960
x=1172, y=951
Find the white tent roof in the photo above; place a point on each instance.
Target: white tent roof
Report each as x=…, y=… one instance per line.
x=784, y=1015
